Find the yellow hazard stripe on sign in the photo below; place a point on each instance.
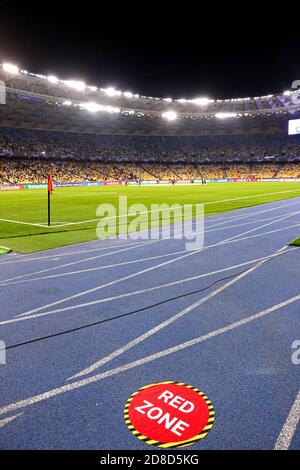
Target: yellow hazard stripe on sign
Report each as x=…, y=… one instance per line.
x=168, y=445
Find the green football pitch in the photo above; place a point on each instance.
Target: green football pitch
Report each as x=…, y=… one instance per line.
x=23, y=214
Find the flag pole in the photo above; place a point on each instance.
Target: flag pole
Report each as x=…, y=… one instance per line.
x=49, y=208
x=50, y=187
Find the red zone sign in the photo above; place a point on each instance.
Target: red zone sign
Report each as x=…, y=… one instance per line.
x=169, y=414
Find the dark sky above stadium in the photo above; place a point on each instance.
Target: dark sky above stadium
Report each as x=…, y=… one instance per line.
x=176, y=51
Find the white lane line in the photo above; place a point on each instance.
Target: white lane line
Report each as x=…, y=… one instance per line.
x=166, y=323
x=10, y=282
x=144, y=271
x=246, y=216
x=29, y=316
x=32, y=257
x=138, y=273
x=111, y=253
x=5, y=421
x=15, y=280
x=23, y=223
x=253, y=196
x=144, y=360
x=252, y=212
x=58, y=255
x=130, y=294
x=289, y=428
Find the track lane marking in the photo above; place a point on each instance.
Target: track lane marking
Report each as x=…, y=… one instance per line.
x=167, y=322
x=10, y=281
x=144, y=360
x=144, y=271
x=289, y=428
x=126, y=248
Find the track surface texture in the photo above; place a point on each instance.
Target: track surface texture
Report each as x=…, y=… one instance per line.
x=222, y=319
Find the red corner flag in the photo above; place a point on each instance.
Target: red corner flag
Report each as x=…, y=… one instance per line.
x=50, y=184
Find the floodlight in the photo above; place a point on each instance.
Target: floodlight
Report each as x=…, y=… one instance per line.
x=170, y=115
x=201, y=101
x=10, y=68
x=168, y=100
x=95, y=108
x=110, y=91
x=79, y=86
x=287, y=93
x=225, y=115
x=128, y=94
x=52, y=79
x=67, y=103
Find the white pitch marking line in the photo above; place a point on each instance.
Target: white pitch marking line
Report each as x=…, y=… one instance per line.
x=289, y=428
x=143, y=271
x=160, y=210
x=11, y=281
x=169, y=321
x=145, y=360
x=23, y=223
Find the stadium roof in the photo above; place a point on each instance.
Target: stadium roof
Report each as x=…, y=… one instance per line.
x=47, y=102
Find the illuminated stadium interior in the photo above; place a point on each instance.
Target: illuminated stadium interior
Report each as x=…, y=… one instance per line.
x=51, y=120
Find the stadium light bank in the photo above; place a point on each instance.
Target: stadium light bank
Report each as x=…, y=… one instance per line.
x=170, y=115
x=95, y=108
x=225, y=115
x=10, y=68
x=110, y=91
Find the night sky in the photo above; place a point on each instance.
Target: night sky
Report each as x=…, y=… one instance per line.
x=177, y=52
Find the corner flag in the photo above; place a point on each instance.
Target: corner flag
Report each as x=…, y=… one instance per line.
x=50, y=184
x=50, y=190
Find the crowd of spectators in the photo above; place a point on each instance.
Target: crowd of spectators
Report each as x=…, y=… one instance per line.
x=118, y=148
x=35, y=170
x=27, y=156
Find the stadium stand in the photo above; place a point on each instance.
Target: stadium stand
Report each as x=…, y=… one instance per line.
x=83, y=133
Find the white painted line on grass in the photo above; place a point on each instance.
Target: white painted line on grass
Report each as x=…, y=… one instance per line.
x=156, y=210
x=23, y=223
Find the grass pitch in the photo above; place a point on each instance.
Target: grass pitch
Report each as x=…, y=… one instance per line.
x=69, y=205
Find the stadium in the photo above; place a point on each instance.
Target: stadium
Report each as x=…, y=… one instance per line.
x=81, y=328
